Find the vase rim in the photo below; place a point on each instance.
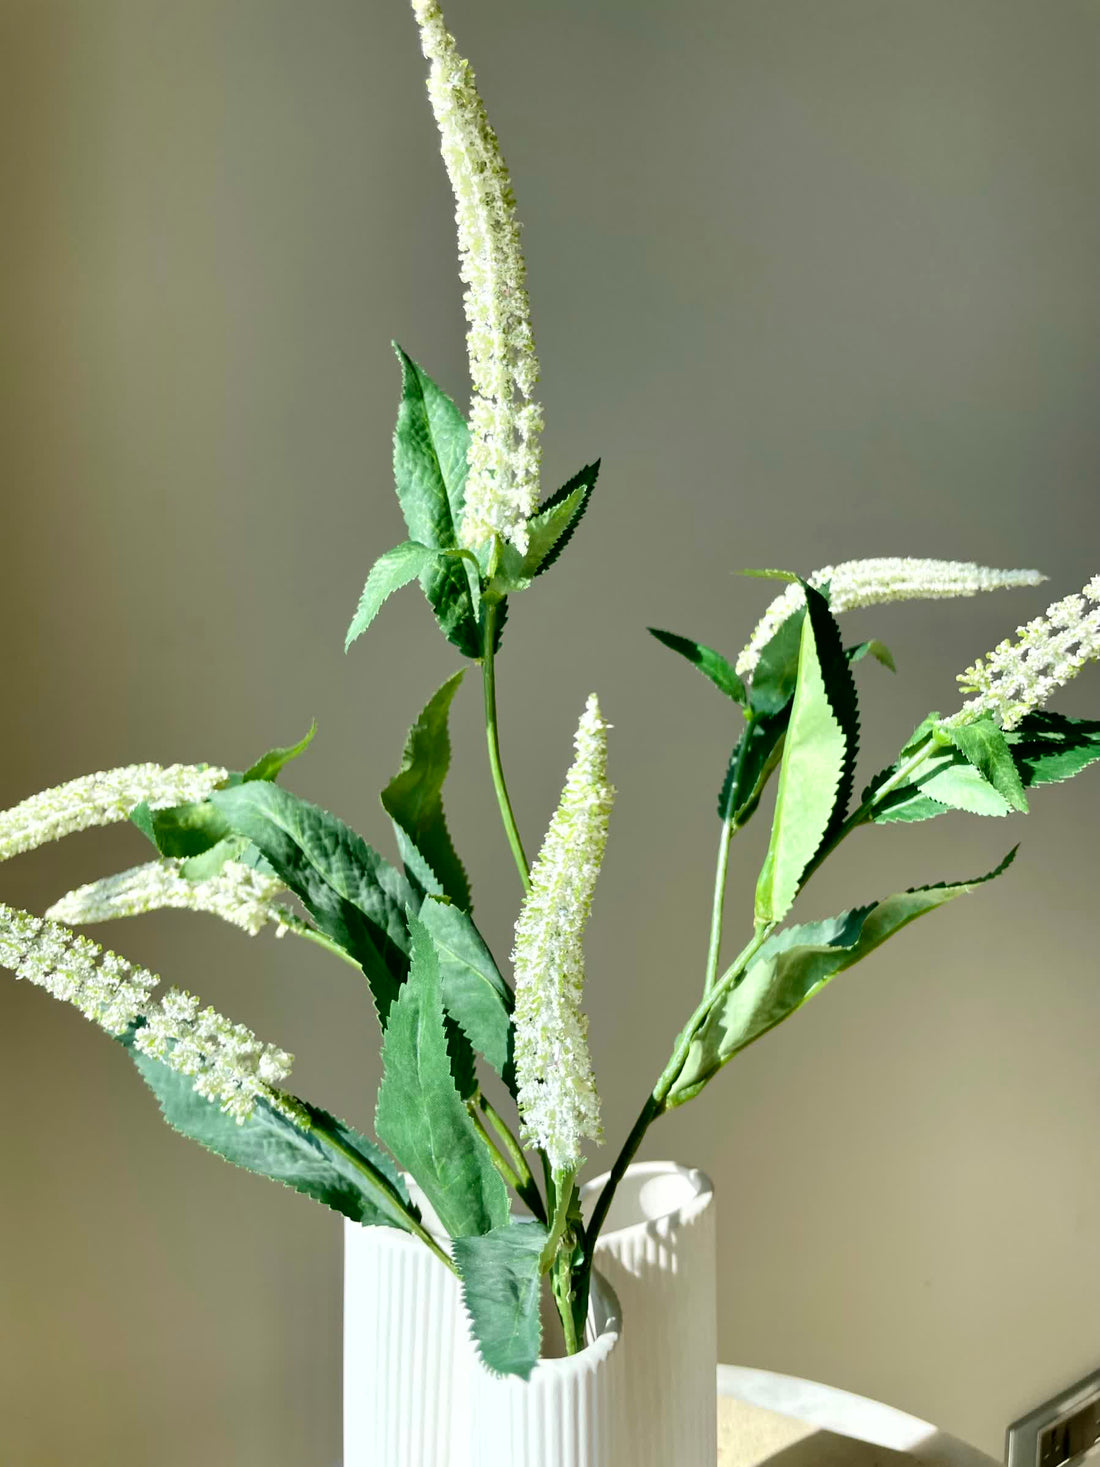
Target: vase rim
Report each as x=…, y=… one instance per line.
x=653, y=1193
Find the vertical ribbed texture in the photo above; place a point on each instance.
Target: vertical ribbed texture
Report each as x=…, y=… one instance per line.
x=569, y=1414
x=658, y=1252
x=405, y=1352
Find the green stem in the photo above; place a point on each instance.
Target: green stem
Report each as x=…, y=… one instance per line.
x=649, y=1113
x=502, y=1166
x=562, y=1288
x=729, y=825
x=380, y=1185
x=527, y=1189
x=303, y=929
x=488, y=673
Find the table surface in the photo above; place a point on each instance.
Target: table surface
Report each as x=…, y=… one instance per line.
x=764, y=1417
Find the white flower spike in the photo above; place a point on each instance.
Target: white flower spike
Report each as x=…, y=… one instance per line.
x=237, y=894
x=558, y=1103
x=104, y=987
x=227, y=1062
x=855, y=583
x=503, y=484
x=1018, y=677
x=102, y=799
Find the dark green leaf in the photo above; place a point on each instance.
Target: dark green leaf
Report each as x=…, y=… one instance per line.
x=448, y=583
x=983, y=745
x=404, y=563
x=554, y=524
x=815, y=776
x=429, y=458
x=501, y=1288
x=413, y=799
x=421, y=1117
x=776, y=671
x=183, y=830
x=874, y=648
x=474, y=993
x=794, y=965
x=1048, y=748
x=463, y=1061
x=271, y=764
x=710, y=663
x=321, y=1156
x=754, y=758
x=353, y=895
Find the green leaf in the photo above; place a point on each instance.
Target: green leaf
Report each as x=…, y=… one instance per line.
x=776, y=671
x=501, y=1288
x=449, y=584
x=755, y=757
x=270, y=765
x=324, y=1158
x=429, y=458
x=815, y=775
x=1048, y=747
x=983, y=745
x=421, y=1117
x=796, y=964
x=554, y=524
x=183, y=830
x=463, y=1061
x=474, y=993
x=413, y=799
x=353, y=895
x=710, y=663
x=874, y=648
x=404, y=563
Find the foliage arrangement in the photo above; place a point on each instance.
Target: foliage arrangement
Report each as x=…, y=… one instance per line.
x=504, y=1203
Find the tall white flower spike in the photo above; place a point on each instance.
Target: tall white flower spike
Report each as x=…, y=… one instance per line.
x=226, y=1061
x=104, y=987
x=237, y=894
x=558, y=1103
x=1017, y=677
x=503, y=484
x=102, y=799
x=855, y=583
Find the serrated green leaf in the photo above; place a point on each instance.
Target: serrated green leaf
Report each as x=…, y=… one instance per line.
x=983, y=745
x=325, y=1158
x=474, y=993
x=793, y=966
x=753, y=761
x=270, y=765
x=776, y=670
x=1048, y=748
x=413, y=799
x=554, y=524
x=501, y=1288
x=421, y=1117
x=448, y=583
x=710, y=663
x=463, y=1060
x=429, y=458
x=182, y=830
x=874, y=648
x=353, y=895
x=815, y=775
x=404, y=563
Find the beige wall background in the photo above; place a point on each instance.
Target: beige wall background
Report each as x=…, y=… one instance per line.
x=817, y=280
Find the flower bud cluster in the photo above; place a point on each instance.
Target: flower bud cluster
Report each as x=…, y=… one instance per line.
x=502, y=489
x=558, y=1103
x=102, y=799
x=874, y=582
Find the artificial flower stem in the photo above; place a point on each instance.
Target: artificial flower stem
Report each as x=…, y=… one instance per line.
x=488, y=676
x=729, y=825
x=303, y=929
x=649, y=1113
x=502, y=1166
x=414, y=1227
x=561, y=1285
x=527, y=1189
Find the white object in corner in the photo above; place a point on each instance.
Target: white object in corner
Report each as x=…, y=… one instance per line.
x=658, y=1251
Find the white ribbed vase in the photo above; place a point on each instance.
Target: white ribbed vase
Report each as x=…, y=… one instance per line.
x=415, y=1394
x=405, y=1351
x=570, y=1412
x=658, y=1250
